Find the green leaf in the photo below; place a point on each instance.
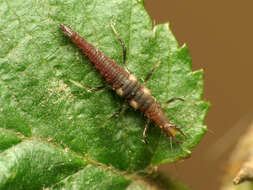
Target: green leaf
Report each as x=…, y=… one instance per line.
x=8, y=139
x=56, y=134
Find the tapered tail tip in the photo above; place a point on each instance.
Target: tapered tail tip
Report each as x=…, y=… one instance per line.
x=67, y=30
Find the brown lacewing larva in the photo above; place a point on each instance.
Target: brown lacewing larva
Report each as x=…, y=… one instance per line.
x=124, y=83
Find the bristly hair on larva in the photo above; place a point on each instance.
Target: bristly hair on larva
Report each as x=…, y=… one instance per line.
x=125, y=84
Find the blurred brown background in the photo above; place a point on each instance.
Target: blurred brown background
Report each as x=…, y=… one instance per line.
x=219, y=35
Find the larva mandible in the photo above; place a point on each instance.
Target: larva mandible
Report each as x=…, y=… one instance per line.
x=124, y=83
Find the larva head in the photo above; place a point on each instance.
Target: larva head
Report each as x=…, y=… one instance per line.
x=171, y=130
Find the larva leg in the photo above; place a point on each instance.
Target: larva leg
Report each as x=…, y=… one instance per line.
x=89, y=87
x=121, y=42
x=95, y=88
x=144, y=134
x=119, y=111
x=174, y=99
x=151, y=72
x=171, y=145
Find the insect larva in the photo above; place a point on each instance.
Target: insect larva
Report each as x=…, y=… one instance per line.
x=124, y=83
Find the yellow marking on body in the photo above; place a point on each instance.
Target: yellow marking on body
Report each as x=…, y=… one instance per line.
x=134, y=104
x=146, y=90
x=132, y=78
x=119, y=91
x=127, y=71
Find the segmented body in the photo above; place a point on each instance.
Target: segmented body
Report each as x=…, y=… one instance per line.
x=124, y=83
